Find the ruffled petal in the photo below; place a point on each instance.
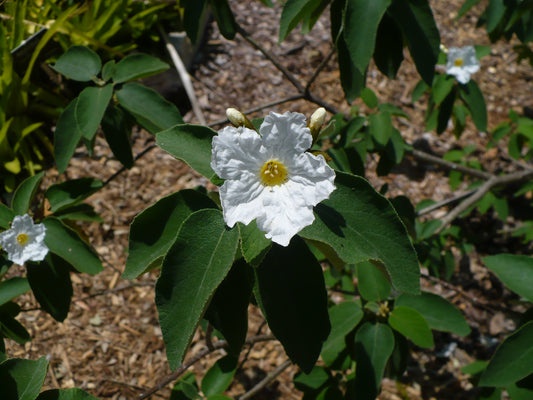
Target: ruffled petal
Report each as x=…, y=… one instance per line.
x=241, y=199
x=285, y=135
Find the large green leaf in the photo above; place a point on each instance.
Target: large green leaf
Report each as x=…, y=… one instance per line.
x=293, y=12
x=442, y=86
x=371, y=282
x=79, y=63
x=388, y=52
x=344, y=318
x=410, y=323
x=228, y=310
x=9, y=326
x=515, y=271
x=137, y=66
x=374, y=343
x=474, y=100
x=513, y=359
x=192, y=270
x=117, y=134
x=291, y=293
x=90, y=108
x=439, y=313
x=415, y=19
x=360, y=224
x=65, y=394
x=218, y=378
x=51, y=285
x=224, y=17
x=22, y=379
x=72, y=192
x=193, y=18
x=154, y=230
x=361, y=21
x=191, y=144
x=24, y=194
x=66, y=136
x=6, y=216
x=254, y=244
x=380, y=127
x=13, y=287
x=352, y=79
x=68, y=245
x=148, y=107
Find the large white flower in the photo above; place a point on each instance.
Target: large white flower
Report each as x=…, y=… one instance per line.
x=24, y=241
x=270, y=177
x=461, y=63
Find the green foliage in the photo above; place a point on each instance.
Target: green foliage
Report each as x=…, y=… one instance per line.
x=22, y=379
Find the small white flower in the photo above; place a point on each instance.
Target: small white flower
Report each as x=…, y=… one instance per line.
x=24, y=241
x=270, y=177
x=462, y=63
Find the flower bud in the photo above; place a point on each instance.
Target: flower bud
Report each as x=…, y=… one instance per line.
x=237, y=118
x=316, y=121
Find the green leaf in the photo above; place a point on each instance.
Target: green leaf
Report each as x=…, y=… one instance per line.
x=344, y=318
x=13, y=287
x=137, y=66
x=218, y=378
x=191, y=144
x=254, y=244
x=494, y=13
x=66, y=136
x=108, y=70
x=515, y=271
x=148, y=107
x=192, y=270
x=65, y=394
x=24, y=194
x=72, y=192
x=22, y=379
x=380, y=127
x=412, y=325
x=154, y=230
x=352, y=79
x=51, y=285
x=360, y=224
x=6, y=216
x=474, y=100
x=224, y=17
x=293, y=12
x=388, y=52
x=9, y=326
x=313, y=381
x=228, y=310
x=193, y=16
x=467, y=5
x=439, y=313
x=513, y=359
x=68, y=245
x=185, y=388
x=90, y=108
x=371, y=282
x=369, y=97
x=361, y=21
x=291, y=293
x=442, y=86
x=81, y=212
x=79, y=63
x=117, y=134
x=415, y=19
x=374, y=343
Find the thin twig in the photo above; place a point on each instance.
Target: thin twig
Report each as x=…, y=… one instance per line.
x=444, y=203
x=421, y=155
x=122, y=169
x=184, y=76
x=269, y=378
x=319, y=69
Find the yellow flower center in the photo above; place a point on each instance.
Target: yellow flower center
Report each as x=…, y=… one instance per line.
x=273, y=173
x=22, y=238
x=458, y=62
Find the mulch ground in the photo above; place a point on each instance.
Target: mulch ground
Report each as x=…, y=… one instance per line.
x=111, y=344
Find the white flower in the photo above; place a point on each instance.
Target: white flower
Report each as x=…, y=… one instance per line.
x=270, y=177
x=462, y=63
x=24, y=241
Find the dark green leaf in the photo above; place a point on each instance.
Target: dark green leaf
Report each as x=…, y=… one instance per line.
x=467, y=5
x=360, y=224
x=474, y=100
x=313, y=381
x=352, y=79
x=71, y=193
x=445, y=110
x=189, y=143
x=415, y=19
x=79, y=63
x=13, y=287
x=66, y=136
x=192, y=270
x=369, y=97
x=290, y=291
x=344, y=318
x=254, y=244
x=388, y=52
x=218, y=378
x=371, y=282
x=22, y=379
x=224, y=17
x=117, y=134
x=90, y=108
x=374, y=343
x=494, y=13
x=108, y=70
x=6, y=216
x=420, y=88
x=293, y=12
x=412, y=325
x=51, y=285
x=380, y=127
x=66, y=394
x=513, y=359
x=24, y=194
x=154, y=230
x=68, y=245
x=148, y=107
x=193, y=18
x=442, y=86
x=137, y=66
x=185, y=388
x=81, y=212
x=439, y=313
x=515, y=271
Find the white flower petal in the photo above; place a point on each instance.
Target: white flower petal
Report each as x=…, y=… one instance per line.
x=33, y=249
x=285, y=134
x=469, y=66
x=241, y=200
